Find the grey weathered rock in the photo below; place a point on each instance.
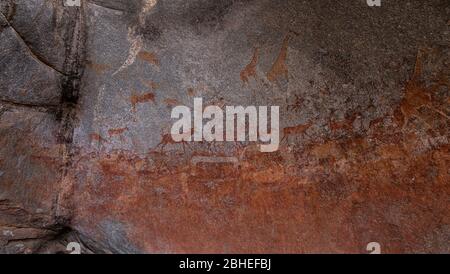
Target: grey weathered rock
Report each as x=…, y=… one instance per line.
x=25, y=78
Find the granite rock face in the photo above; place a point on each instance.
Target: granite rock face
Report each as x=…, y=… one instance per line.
x=86, y=95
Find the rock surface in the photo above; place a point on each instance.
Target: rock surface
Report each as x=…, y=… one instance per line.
x=86, y=95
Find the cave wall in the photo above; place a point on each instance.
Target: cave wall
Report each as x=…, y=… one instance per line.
x=86, y=95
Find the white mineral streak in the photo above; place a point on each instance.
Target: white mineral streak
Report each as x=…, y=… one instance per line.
x=135, y=39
